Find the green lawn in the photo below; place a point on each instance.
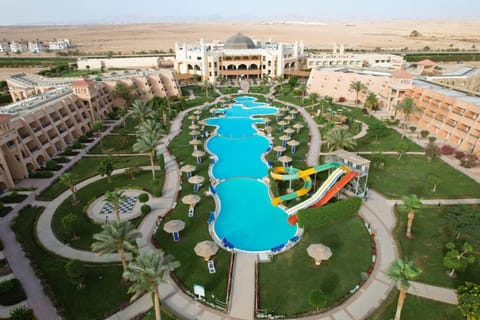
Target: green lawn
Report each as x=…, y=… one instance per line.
x=87, y=228
x=416, y=308
x=286, y=282
x=193, y=269
x=86, y=168
x=290, y=98
x=104, y=292
x=260, y=89
x=115, y=144
x=129, y=128
x=409, y=175
x=427, y=249
x=229, y=90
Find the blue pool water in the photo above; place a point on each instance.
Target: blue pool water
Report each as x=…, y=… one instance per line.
x=246, y=218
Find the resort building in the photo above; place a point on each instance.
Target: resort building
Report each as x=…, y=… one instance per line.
x=35, y=46
x=18, y=46
x=50, y=114
x=105, y=63
x=239, y=57
x=4, y=46
x=450, y=115
x=62, y=44
x=465, y=78
x=340, y=58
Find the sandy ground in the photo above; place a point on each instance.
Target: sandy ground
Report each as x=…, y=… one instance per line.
x=162, y=36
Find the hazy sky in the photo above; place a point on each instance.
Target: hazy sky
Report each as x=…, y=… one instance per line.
x=108, y=11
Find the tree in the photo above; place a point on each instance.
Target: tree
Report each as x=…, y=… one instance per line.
x=68, y=180
x=292, y=81
x=456, y=260
x=117, y=236
x=75, y=271
x=407, y=106
x=314, y=97
x=462, y=219
x=98, y=126
x=402, y=148
x=206, y=85
x=147, y=272
x=371, y=103
x=105, y=168
x=433, y=179
x=125, y=92
x=378, y=129
x=411, y=203
x=317, y=299
x=133, y=172
x=148, y=137
x=432, y=151
x=340, y=138
x=122, y=112
x=402, y=272
x=115, y=199
x=377, y=160
x=140, y=110
x=70, y=224
x=357, y=86
x=468, y=300
x=302, y=88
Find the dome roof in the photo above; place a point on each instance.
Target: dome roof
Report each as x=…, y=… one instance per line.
x=239, y=41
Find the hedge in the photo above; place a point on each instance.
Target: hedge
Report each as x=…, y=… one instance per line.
x=14, y=294
x=318, y=217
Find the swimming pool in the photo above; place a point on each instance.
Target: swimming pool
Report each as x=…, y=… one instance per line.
x=245, y=217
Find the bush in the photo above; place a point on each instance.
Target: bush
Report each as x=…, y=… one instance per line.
x=432, y=139
x=157, y=188
x=143, y=197
x=145, y=209
x=51, y=165
x=81, y=139
x=424, y=133
x=61, y=159
x=75, y=271
x=14, y=197
x=21, y=313
x=317, y=217
x=13, y=295
x=459, y=155
x=468, y=161
x=40, y=174
x=413, y=129
x=447, y=150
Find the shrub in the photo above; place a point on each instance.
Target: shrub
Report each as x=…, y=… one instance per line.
x=13, y=295
x=40, y=174
x=432, y=139
x=317, y=217
x=459, y=155
x=14, y=197
x=6, y=286
x=82, y=139
x=21, y=313
x=145, y=209
x=75, y=271
x=468, y=161
x=61, y=159
x=413, y=129
x=143, y=197
x=424, y=133
x=51, y=165
x=157, y=188
x=447, y=150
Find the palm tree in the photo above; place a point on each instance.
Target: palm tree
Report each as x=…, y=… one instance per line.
x=140, y=109
x=302, y=88
x=371, y=103
x=148, y=137
x=411, y=203
x=314, y=97
x=402, y=271
x=407, y=106
x=122, y=112
x=115, y=199
x=206, y=85
x=147, y=272
x=340, y=138
x=98, y=126
x=116, y=236
x=357, y=86
x=68, y=179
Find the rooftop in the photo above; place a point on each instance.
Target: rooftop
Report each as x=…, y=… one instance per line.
x=239, y=41
x=459, y=95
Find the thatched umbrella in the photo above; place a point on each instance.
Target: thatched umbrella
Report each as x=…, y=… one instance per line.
x=193, y=127
x=195, y=143
x=213, y=111
x=278, y=114
x=192, y=117
x=288, y=118
x=283, y=110
x=194, y=134
x=285, y=160
x=196, y=181
x=191, y=199
x=206, y=249
x=319, y=252
x=284, y=140
x=293, y=112
x=279, y=150
x=188, y=168
x=293, y=144
x=197, y=112
x=268, y=129
x=174, y=227
x=203, y=124
x=289, y=131
x=198, y=154
x=282, y=124
x=298, y=126
x=266, y=120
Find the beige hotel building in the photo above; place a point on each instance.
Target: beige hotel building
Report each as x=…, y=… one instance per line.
x=49, y=114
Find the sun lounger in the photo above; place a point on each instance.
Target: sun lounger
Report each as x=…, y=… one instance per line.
x=176, y=236
x=191, y=211
x=211, y=266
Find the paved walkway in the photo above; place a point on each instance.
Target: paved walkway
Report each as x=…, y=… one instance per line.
x=242, y=302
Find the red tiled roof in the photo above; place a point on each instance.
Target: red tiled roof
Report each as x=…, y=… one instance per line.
x=426, y=62
x=402, y=74
x=83, y=83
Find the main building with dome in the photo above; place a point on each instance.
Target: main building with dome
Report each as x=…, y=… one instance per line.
x=239, y=57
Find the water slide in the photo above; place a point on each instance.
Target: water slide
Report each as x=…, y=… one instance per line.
x=289, y=173
x=317, y=196
x=336, y=188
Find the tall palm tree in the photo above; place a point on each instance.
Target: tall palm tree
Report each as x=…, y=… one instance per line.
x=314, y=97
x=411, y=203
x=117, y=236
x=206, y=85
x=98, y=126
x=340, y=138
x=371, y=103
x=68, y=179
x=402, y=272
x=140, y=109
x=122, y=112
x=148, y=137
x=147, y=272
x=115, y=199
x=357, y=86
x=302, y=88
x=407, y=106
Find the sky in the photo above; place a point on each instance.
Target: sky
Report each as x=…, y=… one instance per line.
x=28, y=12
